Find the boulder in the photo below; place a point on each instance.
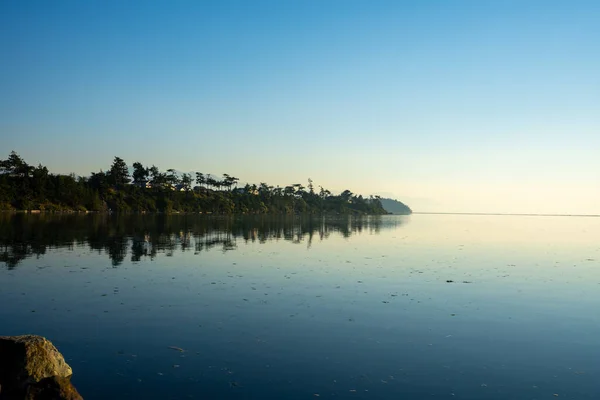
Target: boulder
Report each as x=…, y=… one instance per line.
x=31, y=368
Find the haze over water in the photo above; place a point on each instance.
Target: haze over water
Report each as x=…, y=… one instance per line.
x=424, y=306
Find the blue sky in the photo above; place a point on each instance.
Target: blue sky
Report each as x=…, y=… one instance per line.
x=446, y=105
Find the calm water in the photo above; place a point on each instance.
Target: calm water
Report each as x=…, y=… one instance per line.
x=426, y=306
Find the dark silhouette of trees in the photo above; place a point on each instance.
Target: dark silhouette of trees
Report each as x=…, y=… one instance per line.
x=186, y=182
x=118, y=175
x=23, y=187
x=210, y=182
x=229, y=181
x=158, y=179
x=15, y=166
x=140, y=174
x=200, y=179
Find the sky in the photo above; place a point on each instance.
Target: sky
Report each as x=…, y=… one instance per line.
x=448, y=106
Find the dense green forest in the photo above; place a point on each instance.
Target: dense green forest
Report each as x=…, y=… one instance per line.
x=147, y=189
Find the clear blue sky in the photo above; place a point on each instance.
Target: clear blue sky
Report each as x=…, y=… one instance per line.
x=446, y=105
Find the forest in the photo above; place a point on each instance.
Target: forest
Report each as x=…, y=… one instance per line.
x=148, y=189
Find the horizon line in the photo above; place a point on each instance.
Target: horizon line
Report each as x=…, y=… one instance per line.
x=507, y=214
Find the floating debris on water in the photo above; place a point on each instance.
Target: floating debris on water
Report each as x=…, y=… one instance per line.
x=176, y=348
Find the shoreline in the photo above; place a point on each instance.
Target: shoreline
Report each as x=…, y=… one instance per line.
x=39, y=212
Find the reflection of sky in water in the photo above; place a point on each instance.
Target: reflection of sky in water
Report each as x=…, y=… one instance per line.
x=369, y=316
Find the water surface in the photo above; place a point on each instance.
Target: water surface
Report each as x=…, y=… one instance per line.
x=426, y=306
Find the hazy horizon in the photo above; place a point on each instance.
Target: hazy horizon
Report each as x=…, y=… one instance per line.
x=460, y=106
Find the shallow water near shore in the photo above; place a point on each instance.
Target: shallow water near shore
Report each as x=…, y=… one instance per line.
x=381, y=307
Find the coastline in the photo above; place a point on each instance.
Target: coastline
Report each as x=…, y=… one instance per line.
x=86, y=212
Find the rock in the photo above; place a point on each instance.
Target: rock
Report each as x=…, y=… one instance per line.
x=31, y=368
x=37, y=357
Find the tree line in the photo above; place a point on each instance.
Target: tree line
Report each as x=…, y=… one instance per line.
x=148, y=189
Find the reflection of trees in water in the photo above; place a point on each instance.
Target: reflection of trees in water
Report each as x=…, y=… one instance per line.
x=140, y=236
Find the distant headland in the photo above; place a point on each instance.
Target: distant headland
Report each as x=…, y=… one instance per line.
x=147, y=189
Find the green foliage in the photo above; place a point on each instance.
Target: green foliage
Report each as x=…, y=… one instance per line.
x=119, y=173
x=27, y=188
x=186, y=182
x=4, y=206
x=140, y=174
x=15, y=165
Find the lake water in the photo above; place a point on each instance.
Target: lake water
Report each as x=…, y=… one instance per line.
x=393, y=307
